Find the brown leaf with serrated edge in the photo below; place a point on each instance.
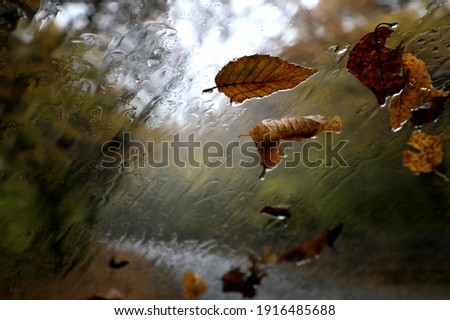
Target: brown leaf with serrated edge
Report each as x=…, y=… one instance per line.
x=193, y=285
x=418, y=92
x=268, y=133
x=312, y=248
x=258, y=76
x=379, y=68
x=429, y=154
x=281, y=212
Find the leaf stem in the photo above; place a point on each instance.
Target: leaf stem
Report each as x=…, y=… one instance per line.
x=209, y=89
x=440, y=174
x=262, y=176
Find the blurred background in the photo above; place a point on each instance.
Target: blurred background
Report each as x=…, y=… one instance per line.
x=76, y=75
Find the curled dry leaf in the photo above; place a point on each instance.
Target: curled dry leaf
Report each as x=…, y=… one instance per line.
x=268, y=133
x=281, y=212
x=312, y=248
x=429, y=154
x=417, y=92
x=379, y=68
x=258, y=76
x=193, y=285
x=294, y=128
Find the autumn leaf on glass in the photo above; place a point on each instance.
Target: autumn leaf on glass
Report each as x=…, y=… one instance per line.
x=311, y=249
x=417, y=92
x=193, y=285
x=246, y=283
x=379, y=68
x=280, y=212
x=268, y=134
x=258, y=76
x=428, y=155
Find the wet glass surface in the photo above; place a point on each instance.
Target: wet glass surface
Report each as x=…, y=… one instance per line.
x=86, y=86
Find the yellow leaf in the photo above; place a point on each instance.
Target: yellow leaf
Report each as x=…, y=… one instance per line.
x=417, y=70
x=417, y=92
x=402, y=106
x=258, y=76
x=194, y=285
x=429, y=154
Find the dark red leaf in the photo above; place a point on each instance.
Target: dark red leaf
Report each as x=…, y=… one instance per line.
x=379, y=68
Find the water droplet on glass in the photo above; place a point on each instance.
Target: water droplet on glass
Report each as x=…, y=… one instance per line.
x=152, y=62
x=96, y=113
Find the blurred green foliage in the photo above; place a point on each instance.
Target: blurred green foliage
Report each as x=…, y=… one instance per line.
x=51, y=132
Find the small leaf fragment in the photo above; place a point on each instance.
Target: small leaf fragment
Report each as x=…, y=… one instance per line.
x=309, y=249
x=258, y=76
x=246, y=283
x=281, y=212
x=429, y=154
x=233, y=281
x=312, y=248
x=379, y=68
x=193, y=285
